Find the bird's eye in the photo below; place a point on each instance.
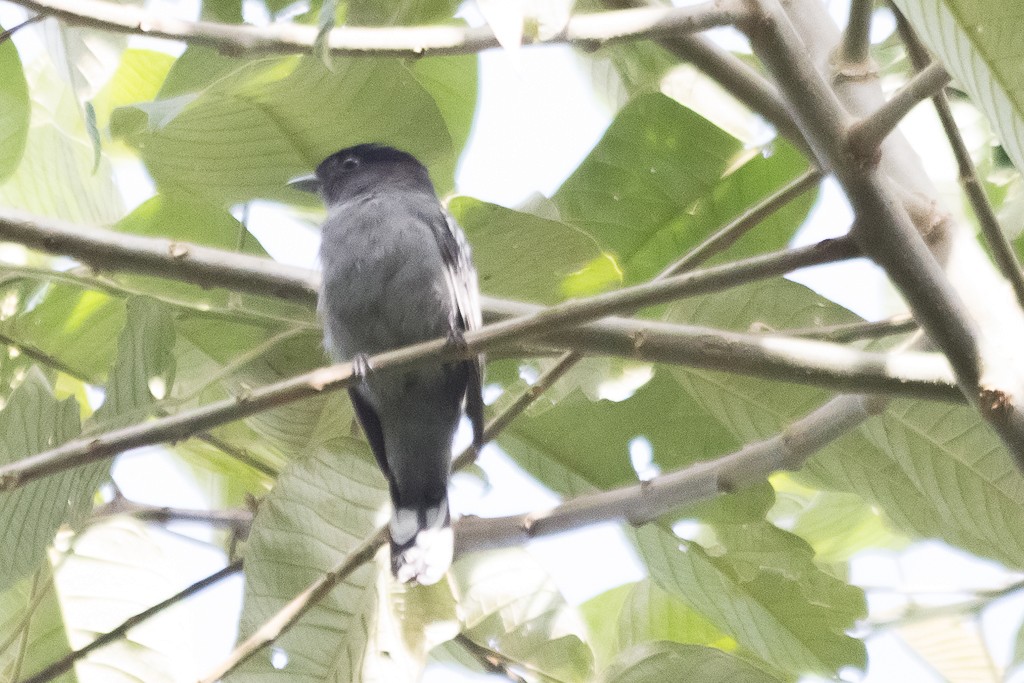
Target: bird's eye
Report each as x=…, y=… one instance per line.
x=349, y=163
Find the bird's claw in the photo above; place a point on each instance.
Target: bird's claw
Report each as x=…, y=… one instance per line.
x=361, y=366
x=457, y=341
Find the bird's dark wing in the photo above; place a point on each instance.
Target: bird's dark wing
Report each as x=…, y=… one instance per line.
x=370, y=423
x=462, y=279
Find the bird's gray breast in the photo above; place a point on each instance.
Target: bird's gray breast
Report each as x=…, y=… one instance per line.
x=384, y=283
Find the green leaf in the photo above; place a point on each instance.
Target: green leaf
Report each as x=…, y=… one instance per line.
x=32, y=628
x=138, y=78
x=547, y=253
x=15, y=109
x=655, y=160
x=751, y=408
x=651, y=613
x=319, y=510
x=225, y=11
x=679, y=430
x=144, y=370
x=510, y=604
x=602, y=613
x=977, y=42
x=762, y=588
x=55, y=160
x=77, y=328
x=452, y=82
x=664, y=661
x=246, y=134
x=34, y=421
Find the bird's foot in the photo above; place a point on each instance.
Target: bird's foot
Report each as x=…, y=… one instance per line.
x=457, y=341
x=361, y=366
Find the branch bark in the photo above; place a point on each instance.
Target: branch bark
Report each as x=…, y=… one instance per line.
x=242, y=40
x=867, y=135
x=886, y=232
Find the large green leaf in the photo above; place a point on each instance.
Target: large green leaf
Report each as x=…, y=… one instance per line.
x=245, y=135
x=319, y=510
x=761, y=586
x=138, y=78
x=664, y=661
x=15, y=109
x=55, y=160
x=76, y=328
x=511, y=605
x=663, y=178
x=549, y=256
x=980, y=46
x=32, y=632
x=34, y=421
x=144, y=369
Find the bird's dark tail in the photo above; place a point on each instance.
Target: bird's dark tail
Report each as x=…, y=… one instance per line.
x=422, y=543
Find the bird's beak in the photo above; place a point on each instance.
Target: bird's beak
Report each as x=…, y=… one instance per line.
x=306, y=183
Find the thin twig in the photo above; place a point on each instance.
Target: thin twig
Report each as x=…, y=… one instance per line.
x=65, y=664
x=395, y=41
x=897, y=324
x=493, y=662
x=867, y=134
x=857, y=36
x=742, y=224
x=237, y=519
x=9, y=33
x=1002, y=250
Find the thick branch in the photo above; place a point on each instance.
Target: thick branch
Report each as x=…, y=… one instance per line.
x=648, y=500
x=885, y=230
x=867, y=134
x=65, y=664
x=1002, y=251
x=243, y=40
x=777, y=357
x=107, y=250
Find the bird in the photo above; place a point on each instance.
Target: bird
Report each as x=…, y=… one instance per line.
x=396, y=269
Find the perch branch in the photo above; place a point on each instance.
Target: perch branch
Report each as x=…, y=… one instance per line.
x=241, y=40
x=567, y=314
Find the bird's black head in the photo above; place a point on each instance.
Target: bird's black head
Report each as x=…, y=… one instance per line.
x=370, y=168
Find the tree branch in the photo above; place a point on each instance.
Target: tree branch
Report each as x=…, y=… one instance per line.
x=886, y=233
x=237, y=519
x=857, y=37
x=544, y=323
x=1002, y=251
x=65, y=664
x=648, y=500
x=897, y=324
x=777, y=357
x=107, y=250
x=866, y=135
x=242, y=40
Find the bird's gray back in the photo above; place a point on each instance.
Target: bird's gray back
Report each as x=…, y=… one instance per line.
x=384, y=277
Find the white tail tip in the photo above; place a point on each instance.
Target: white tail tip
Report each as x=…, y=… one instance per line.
x=428, y=558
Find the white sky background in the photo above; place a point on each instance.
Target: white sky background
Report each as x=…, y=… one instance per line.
x=537, y=118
